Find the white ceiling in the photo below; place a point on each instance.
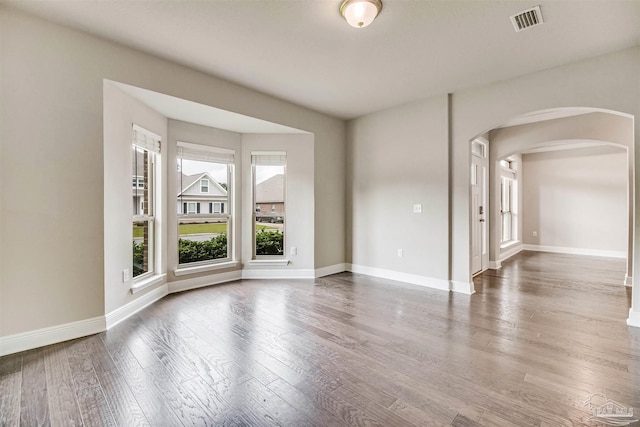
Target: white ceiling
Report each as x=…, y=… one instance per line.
x=304, y=52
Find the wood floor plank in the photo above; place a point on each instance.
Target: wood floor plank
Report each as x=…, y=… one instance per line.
x=10, y=364
x=10, y=390
x=94, y=407
x=34, y=405
x=124, y=407
x=153, y=405
x=82, y=371
x=187, y=407
x=63, y=405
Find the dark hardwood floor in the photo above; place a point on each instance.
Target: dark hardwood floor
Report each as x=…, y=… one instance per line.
x=538, y=337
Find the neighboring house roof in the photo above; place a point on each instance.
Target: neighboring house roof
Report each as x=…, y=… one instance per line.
x=271, y=190
x=190, y=185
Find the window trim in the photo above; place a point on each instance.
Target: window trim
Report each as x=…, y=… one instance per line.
x=148, y=144
x=202, y=187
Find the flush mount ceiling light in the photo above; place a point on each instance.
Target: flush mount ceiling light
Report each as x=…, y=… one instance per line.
x=360, y=13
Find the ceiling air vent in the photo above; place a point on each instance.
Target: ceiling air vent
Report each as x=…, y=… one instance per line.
x=527, y=19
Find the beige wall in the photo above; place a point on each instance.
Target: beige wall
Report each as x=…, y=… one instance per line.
x=52, y=125
x=398, y=158
x=576, y=198
x=120, y=113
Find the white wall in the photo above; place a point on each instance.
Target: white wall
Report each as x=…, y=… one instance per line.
x=51, y=128
x=576, y=199
x=398, y=158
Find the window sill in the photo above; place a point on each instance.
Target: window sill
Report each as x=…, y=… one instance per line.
x=182, y=271
x=269, y=262
x=150, y=281
x=510, y=243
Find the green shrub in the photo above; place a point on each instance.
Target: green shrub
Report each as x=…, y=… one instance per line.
x=138, y=259
x=191, y=251
x=269, y=242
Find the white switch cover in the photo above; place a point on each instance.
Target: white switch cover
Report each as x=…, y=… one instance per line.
x=294, y=250
x=400, y=253
x=535, y=234
x=125, y=275
x=417, y=208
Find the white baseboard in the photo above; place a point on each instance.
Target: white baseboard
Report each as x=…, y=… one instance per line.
x=201, y=282
x=331, y=269
x=121, y=313
x=279, y=274
x=628, y=280
x=495, y=265
x=634, y=318
x=414, y=279
x=576, y=251
x=511, y=251
x=463, y=287
x=51, y=335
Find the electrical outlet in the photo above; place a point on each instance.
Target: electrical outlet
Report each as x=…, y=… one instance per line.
x=294, y=250
x=535, y=234
x=125, y=275
x=400, y=253
x=417, y=208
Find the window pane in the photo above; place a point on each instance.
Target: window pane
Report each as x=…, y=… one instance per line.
x=142, y=169
x=203, y=224
x=269, y=197
x=142, y=241
x=202, y=240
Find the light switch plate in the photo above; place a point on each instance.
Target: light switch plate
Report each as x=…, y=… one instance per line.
x=417, y=208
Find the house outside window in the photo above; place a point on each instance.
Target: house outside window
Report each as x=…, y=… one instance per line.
x=205, y=177
x=145, y=150
x=269, y=184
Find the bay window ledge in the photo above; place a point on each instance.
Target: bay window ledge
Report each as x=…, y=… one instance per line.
x=269, y=262
x=150, y=281
x=509, y=244
x=181, y=271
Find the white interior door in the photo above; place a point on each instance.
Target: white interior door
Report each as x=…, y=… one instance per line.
x=476, y=215
x=479, y=250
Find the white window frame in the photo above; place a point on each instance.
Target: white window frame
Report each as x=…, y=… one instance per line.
x=147, y=144
x=204, y=188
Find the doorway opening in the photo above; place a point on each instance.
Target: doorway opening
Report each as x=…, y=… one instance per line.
x=535, y=149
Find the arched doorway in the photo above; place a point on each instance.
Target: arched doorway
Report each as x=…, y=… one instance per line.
x=547, y=131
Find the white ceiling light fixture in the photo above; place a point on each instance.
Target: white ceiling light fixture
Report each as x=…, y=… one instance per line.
x=360, y=13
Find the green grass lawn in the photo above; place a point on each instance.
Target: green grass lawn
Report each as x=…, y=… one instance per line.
x=199, y=229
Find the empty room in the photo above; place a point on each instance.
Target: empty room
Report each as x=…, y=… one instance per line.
x=319, y=212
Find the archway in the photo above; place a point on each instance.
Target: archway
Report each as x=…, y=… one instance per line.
x=552, y=130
